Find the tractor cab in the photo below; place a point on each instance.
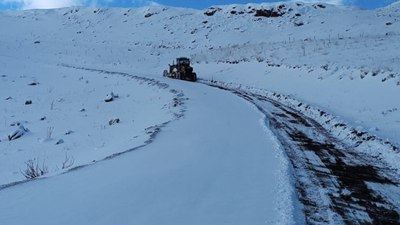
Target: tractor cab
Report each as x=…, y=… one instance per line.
x=183, y=61
x=181, y=70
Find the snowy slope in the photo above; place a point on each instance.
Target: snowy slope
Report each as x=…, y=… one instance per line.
x=354, y=49
x=69, y=122
x=159, y=30
x=213, y=174
x=342, y=61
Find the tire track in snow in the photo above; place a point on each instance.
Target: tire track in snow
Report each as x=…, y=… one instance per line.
x=334, y=182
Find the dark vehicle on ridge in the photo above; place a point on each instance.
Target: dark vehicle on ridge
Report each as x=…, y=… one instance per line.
x=181, y=70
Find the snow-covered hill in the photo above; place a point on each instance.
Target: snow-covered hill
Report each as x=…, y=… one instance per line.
x=294, y=34
x=355, y=49
x=344, y=60
x=341, y=61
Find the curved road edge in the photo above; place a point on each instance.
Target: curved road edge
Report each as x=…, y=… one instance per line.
x=337, y=183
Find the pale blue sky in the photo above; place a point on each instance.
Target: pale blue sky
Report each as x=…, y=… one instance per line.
x=198, y=4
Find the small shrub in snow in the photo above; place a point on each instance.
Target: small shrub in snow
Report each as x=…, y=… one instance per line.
x=33, y=169
x=68, y=132
x=17, y=133
x=325, y=67
x=15, y=124
x=49, y=132
x=68, y=162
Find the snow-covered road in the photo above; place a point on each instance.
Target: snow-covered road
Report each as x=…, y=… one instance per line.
x=216, y=165
x=336, y=183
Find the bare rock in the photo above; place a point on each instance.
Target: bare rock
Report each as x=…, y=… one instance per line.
x=59, y=142
x=114, y=121
x=68, y=132
x=268, y=13
x=211, y=11
x=110, y=97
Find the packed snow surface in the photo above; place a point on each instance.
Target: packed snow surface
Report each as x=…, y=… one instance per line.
x=204, y=169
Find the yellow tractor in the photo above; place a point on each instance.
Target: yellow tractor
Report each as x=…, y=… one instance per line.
x=181, y=70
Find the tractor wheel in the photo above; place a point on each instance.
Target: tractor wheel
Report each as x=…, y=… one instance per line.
x=194, y=77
